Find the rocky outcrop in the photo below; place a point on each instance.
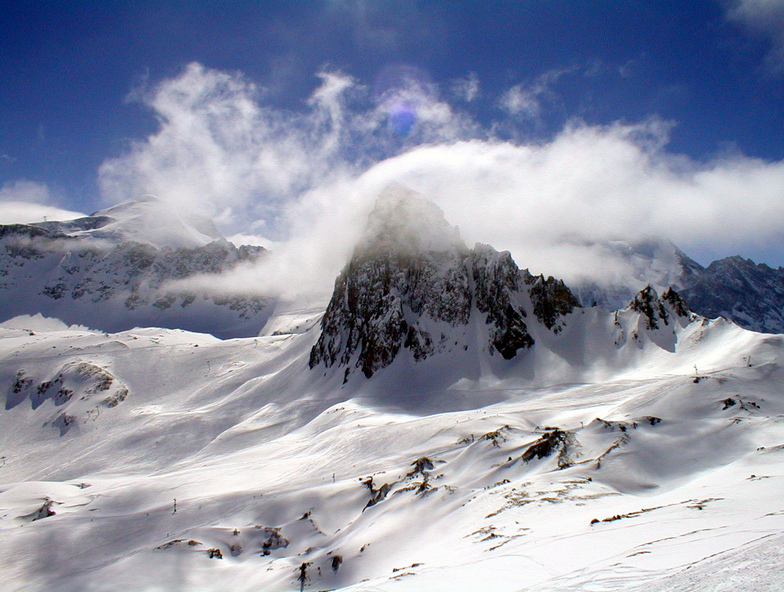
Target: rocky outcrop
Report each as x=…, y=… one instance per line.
x=676, y=303
x=657, y=310
x=551, y=300
x=648, y=304
x=497, y=286
x=79, y=392
x=413, y=285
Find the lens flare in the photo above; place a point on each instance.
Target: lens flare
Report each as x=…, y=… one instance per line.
x=403, y=91
x=402, y=118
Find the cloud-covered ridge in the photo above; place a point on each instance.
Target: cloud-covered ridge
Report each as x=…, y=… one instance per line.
x=308, y=179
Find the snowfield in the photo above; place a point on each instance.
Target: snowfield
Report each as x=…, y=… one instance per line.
x=165, y=460
x=447, y=422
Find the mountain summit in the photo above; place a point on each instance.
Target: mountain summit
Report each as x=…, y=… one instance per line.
x=404, y=221
x=150, y=220
x=412, y=283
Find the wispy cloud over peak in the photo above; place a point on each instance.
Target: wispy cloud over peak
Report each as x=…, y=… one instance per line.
x=527, y=100
x=307, y=178
x=23, y=202
x=220, y=151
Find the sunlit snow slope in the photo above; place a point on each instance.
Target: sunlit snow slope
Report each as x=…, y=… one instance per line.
x=641, y=450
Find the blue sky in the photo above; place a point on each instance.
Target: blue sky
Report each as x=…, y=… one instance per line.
x=98, y=99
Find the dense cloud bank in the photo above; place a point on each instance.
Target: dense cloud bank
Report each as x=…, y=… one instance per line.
x=307, y=179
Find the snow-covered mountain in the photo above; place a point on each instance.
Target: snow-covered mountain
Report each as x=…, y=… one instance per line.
x=113, y=271
x=117, y=269
x=413, y=284
x=628, y=267
x=144, y=219
x=749, y=294
x=515, y=442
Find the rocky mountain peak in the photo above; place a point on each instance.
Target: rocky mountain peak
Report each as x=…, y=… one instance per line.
x=412, y=285
x=659, y=309
x=629, y=265
x=676, y=303
x=404, y=221
x=748, y=293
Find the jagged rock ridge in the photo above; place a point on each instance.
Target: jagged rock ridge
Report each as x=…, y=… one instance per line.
x=413, y=284
x=654, y=308
x=749, y=294
x=657, y=308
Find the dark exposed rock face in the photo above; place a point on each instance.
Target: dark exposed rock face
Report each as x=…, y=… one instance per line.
x=379, y=298
x=749, y=294
x=647, y=303
x=551, y=300
x=658, y=310
x=545, y=445
x=413, y=284
x=676, y=302
x=497, y=283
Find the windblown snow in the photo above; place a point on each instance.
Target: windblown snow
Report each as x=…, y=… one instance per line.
x=639, y=450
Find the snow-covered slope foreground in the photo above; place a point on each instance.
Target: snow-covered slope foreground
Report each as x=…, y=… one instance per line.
x=646, y=469
x=118, y=269
x=450, y=422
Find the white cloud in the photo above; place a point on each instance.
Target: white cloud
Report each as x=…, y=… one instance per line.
x=221, y=152
x=411, y=109
x=26, y=191
x=466, y=89
x=20, y=212
x=521, y=101
x=765, y=18
x=23, y=202
x=316, y=174
x=541, y=201
x=528, y=100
